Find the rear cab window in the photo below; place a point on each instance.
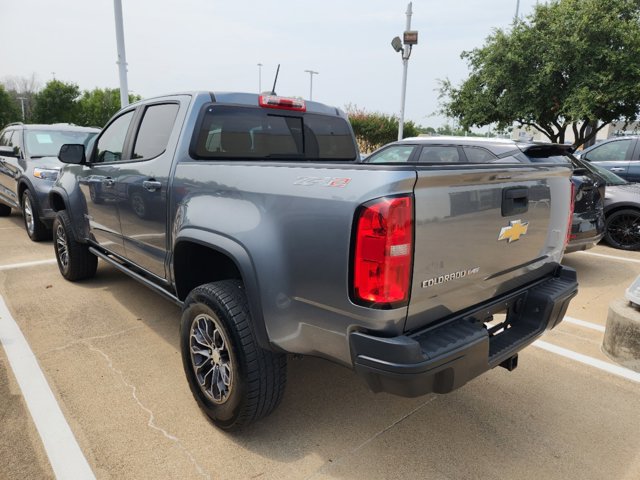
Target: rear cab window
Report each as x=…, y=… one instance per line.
x=248, y=133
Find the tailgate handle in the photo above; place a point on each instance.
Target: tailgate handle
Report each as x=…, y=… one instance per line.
x=515, y=200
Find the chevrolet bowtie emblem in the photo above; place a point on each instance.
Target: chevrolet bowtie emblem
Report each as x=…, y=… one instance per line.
x=514, y=231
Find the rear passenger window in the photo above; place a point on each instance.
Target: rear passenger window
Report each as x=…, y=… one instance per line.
x=478, y=155
x=155, y=129
x=393, y=154
x=439, y=154
x=616, y=150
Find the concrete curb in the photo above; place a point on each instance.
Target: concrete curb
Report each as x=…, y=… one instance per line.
x=622, y=334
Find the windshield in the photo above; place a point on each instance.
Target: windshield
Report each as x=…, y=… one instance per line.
x=47, y=143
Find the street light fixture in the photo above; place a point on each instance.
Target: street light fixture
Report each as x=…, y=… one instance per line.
x=409, y=39
x=311, y=74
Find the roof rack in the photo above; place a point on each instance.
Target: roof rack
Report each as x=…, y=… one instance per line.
x=14, y=123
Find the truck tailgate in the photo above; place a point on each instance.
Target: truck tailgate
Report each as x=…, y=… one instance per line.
x=482, y=231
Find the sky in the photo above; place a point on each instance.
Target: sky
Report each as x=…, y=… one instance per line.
x=216, y=45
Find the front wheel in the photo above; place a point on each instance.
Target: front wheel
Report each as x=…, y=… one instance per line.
x=233, y=380
x=622, y=229
x=75, y=261
x=36, y=230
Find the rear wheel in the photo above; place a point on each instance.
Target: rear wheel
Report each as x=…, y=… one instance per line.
x=5, y=210
x=36, y=230
x=75, y=261
x=233, y=380
x=623, y=229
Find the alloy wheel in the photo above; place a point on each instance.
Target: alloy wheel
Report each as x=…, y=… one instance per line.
x=62, y=248
x=624, y=230
x=210, y=358
x=27, y=211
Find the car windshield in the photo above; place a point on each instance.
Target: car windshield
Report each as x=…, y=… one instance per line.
x=608, y=176
x=47, y=143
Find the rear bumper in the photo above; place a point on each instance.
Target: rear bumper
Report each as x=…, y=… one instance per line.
x=446, y=356
x=583, y=243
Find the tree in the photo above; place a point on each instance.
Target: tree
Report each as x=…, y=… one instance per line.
x=573, y=64
x=373, y=130
x=427, y=130
x=23, y=90
x=97, y=106
x=8, y=109
x=57, y=103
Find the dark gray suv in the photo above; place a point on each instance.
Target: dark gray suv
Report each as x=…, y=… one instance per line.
x=29, y=167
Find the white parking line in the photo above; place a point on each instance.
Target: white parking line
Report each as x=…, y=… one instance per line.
x=612, y=257
x=582, y=323
x=594, y=362
x=65, y=456
x=12, y=266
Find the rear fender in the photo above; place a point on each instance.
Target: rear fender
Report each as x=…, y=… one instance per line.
x=240, y=257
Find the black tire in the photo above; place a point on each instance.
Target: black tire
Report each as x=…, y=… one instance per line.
x=36, y=230
x=622, y=229
x=75, y=261
x=216, y=322
x=5, y=210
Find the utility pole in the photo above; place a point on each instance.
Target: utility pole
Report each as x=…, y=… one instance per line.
x=404, y=46
x=22, y=99
x=311, y=74
x=259, y=78
x=515, y=19
x=122, y=59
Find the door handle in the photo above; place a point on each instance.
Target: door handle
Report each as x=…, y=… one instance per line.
x=618, y=169
x=151, y=185
x=108, y=182
x=515, y=200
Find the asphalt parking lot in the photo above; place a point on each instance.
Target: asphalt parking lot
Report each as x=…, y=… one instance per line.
x=109, y=351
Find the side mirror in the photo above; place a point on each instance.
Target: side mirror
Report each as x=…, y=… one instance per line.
x=72, y=153
x=8, y=152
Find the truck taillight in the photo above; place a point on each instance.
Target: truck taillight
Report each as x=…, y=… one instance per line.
x=282, y=103
x=572, y=206
x=383, y=251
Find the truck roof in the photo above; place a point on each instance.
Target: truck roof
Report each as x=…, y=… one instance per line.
x=249, y=99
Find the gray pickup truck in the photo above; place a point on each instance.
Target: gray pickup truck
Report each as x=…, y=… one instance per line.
x=255, y=214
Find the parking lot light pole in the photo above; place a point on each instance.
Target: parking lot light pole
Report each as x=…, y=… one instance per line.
x=311, y=74
x=22, y=99
x=410, y=38
x=122, y=59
